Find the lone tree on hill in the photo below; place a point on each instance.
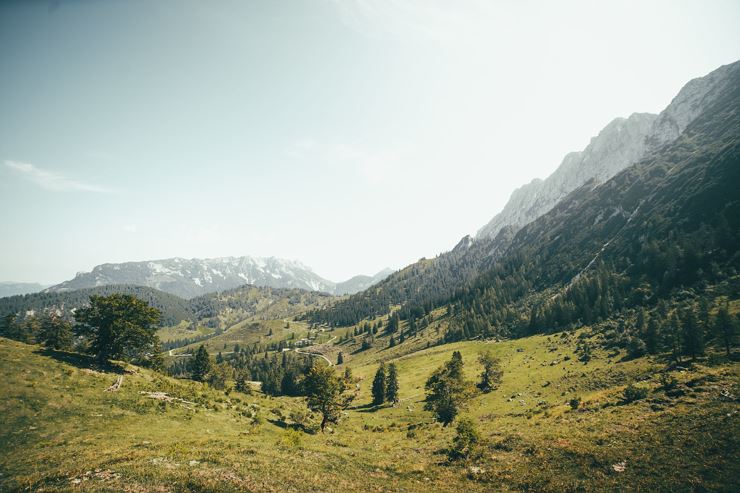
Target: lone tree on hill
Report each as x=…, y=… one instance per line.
x=379, y=385
x=447, y=390
x=492, y=373
x=391, y=388
x=325, y=393
x=201, y=365
x=119, y=326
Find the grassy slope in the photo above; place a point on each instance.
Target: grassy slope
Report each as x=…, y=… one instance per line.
x=60, y=426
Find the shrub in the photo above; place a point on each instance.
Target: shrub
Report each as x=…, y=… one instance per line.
x=466, y=442
x=575, y=403
x=291, y=439
x=633, y=393
x=668, y=381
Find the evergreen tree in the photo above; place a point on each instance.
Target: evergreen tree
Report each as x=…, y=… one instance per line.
x=674, y=336
x=391, y=389
x=340, y=358
x=492, y=373
x=447, y=391
x=55, y=333
x=692, y=336
x=725, y=326
x=241, y=382
x=378, y=389
x=200, y=366
x=651, y=336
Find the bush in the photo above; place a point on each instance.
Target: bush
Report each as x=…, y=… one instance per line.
x=668, y=381
x=575, y=403
x=633, y=393
x=466, y=442
x=291, y=439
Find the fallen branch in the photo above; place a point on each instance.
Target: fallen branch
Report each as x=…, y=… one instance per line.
x=116, y=385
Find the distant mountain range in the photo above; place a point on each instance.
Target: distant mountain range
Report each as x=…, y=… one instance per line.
x=189, y=278
x=14, y=288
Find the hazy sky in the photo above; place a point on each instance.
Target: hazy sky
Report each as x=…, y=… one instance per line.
x=350, y=135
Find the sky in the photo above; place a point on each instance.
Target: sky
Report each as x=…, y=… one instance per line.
x=349, y=135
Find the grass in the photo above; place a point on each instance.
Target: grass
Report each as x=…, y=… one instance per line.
x=182, y=331
x=61, y=431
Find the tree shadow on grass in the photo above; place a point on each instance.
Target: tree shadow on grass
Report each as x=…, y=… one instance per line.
x=292, y=426
x=366, y=408
x=82, y=361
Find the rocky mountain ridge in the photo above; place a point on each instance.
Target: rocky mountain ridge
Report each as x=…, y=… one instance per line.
x=622, y=143
x=188, y=278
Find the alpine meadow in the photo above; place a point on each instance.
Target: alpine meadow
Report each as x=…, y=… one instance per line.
x=165, y=164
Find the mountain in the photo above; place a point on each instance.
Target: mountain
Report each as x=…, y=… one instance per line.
x=670, y=222
x=431, y=282
x=620, y=144
x=15, y=288
x=188, y=278
x=360, y=283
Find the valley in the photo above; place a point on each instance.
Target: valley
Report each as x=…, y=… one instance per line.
x=587, y=338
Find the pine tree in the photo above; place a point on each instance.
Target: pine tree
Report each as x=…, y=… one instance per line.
x=651, y=336
x=379, y=385
x=391, y=389
x=55, y=333
x=692, y=336
x=200, y=366
x=447, y=390
x=726, y=326
x=492, y=373
x=340, y=358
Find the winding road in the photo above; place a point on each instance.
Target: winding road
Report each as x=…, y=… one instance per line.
x=318, y=354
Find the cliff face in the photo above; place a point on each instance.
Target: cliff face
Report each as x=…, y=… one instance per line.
x=620, y=144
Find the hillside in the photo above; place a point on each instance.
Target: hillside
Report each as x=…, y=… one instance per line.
x=62, y=431
x=173, y=308
x=185, y=321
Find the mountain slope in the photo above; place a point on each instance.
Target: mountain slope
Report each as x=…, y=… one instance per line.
x=670, y=221
x=432, y=282
x=188, y=278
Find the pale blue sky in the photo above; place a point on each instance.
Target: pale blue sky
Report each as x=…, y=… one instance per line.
x=352, y=136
